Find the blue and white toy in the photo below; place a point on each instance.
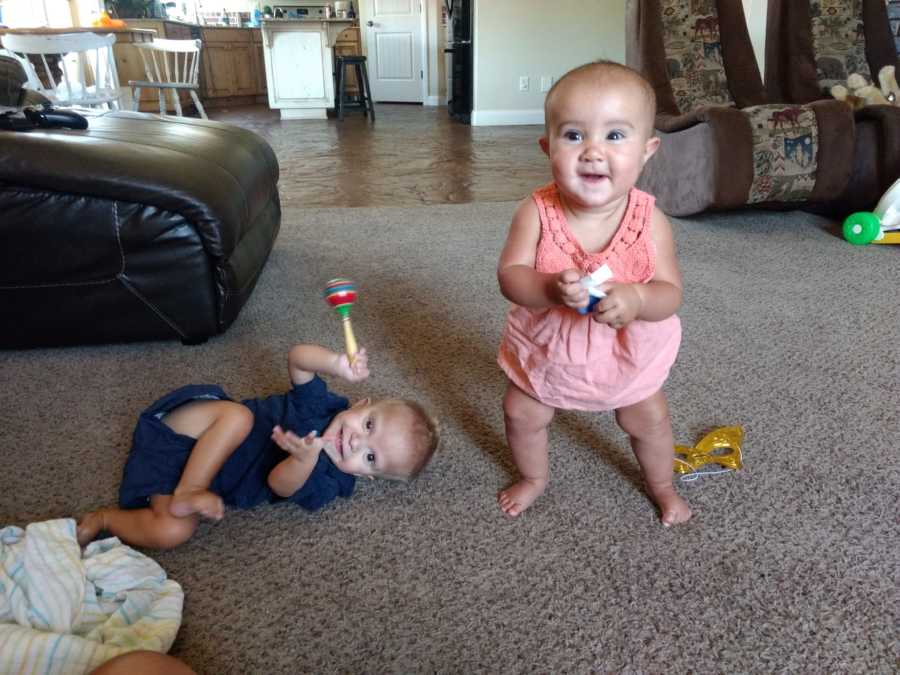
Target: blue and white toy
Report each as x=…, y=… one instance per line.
x=592, y=283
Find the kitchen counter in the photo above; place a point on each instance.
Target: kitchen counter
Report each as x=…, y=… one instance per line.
x=299, y=64
x=313, y=20
x=332, y=26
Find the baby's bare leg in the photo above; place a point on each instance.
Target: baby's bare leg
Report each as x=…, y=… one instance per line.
x=152, y=527
x=526, y=432
x=648, y=425
x=219, y=427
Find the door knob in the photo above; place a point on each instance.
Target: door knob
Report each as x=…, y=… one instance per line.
x=370, y=23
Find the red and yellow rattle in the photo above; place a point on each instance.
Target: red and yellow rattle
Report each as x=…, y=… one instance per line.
x=341, y=294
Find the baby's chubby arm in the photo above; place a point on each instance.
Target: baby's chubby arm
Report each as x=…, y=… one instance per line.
x=304, y=361
x=519, y=281
x=656, y=300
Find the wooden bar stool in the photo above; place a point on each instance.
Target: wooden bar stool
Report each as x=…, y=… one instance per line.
x=362, y=79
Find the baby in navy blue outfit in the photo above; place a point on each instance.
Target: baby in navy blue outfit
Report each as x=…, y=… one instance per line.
x=195, y=450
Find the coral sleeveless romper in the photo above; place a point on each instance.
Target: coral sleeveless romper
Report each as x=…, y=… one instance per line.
x=566, y=359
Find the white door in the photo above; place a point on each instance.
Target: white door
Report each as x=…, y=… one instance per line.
x=393, y=34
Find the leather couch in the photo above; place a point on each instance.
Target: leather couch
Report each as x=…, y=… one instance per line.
x=138, y=228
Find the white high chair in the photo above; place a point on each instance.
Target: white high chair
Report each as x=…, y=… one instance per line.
x=79, y=69
x=171, y=66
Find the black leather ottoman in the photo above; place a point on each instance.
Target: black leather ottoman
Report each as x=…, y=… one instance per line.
x=138, y=228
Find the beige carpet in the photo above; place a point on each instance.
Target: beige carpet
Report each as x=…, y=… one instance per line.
x=790, y=565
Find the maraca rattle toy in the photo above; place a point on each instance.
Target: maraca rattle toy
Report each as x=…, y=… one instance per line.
x=341, y=294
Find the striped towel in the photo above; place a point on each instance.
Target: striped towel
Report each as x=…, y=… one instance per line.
x=64, y=611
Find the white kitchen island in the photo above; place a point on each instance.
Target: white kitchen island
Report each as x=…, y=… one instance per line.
x=300, y=66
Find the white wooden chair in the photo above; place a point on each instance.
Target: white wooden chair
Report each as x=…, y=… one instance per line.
x=171, y=66
x=79, y=69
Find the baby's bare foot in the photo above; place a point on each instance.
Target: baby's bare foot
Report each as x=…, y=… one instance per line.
x=89, y=527
x=673, y=509
x=206, y=503
x=518, y=497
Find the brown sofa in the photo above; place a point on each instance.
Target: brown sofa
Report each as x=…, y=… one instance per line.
x=725, y=143
x=801, y=68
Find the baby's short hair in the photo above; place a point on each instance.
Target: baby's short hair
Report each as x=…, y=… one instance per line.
x=424, y=437
x=599, y=69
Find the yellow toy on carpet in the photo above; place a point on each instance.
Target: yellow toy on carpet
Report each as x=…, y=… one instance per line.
x=720, y=446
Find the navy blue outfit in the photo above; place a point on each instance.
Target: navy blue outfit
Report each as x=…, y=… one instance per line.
x=159, y=454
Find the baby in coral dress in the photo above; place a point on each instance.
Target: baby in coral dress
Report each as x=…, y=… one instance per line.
x=598, y=136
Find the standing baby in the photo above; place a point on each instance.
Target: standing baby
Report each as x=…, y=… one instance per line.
x=598, y=136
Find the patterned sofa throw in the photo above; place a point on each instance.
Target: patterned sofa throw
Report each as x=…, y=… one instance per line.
x=839, y=41
x=694, y=54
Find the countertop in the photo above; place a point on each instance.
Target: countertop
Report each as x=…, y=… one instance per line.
x=332, y=20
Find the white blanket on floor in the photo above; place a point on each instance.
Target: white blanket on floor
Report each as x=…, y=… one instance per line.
x=66, y=611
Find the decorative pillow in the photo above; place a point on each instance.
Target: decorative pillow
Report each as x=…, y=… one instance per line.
x=785, y=148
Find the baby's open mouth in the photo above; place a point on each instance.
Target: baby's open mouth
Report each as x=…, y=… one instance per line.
x=593, y=177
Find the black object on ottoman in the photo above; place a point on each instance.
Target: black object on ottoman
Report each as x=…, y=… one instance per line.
x=139, y=228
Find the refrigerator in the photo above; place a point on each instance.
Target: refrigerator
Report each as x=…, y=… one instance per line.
x=459, y=48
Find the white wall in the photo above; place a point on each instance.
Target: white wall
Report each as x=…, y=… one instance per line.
x=755, y=12
x=538, y=38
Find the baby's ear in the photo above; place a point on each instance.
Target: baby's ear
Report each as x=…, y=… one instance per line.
x=545, y=145
x=650, y=147
x=362, y=401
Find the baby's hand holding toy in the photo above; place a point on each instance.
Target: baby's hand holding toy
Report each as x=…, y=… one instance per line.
x=354, y=369
x=620, y=307
x=571, y=293
x=592, y=284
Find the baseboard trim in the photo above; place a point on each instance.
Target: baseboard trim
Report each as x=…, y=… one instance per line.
x=433, y=101
x=486, y=118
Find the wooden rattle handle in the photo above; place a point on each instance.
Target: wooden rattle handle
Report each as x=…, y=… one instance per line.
x=349, y=338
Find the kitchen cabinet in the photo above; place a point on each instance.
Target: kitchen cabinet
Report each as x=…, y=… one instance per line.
x=232, y=67
x=232, y=70
x=229, y=64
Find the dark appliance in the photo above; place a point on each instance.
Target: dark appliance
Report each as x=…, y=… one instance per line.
x=459, y=46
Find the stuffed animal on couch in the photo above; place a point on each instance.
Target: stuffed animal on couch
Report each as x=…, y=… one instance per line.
x=859, y=92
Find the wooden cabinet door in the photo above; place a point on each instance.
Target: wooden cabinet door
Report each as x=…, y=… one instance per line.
x=217, y=70
x=243, y=61
x=177, y=31
x=229, y=69
x=229, y=63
